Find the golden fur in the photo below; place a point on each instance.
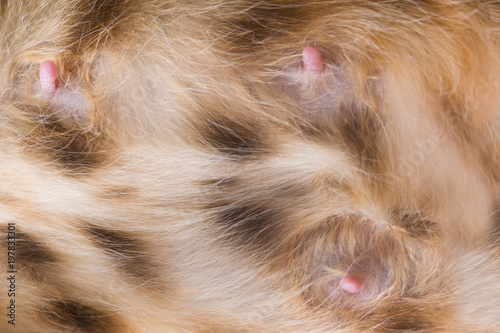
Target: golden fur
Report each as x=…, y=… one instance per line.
x=190, y=174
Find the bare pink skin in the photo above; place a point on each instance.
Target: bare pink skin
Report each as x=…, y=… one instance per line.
x=48, y=76
x=350, y=285
x=71, y=99
x=312, y=60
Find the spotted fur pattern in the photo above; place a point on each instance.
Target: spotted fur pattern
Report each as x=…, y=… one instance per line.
x=193, y=176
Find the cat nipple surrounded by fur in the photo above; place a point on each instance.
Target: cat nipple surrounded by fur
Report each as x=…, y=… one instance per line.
x=48, y=79
x=68, y=97
x=312, y=61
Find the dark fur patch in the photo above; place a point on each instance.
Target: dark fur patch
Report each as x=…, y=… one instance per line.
x=407, y=325
x=416, y=225
x=407, y=316
x=127, y=249
x=355, y=126
x=32, y=252
x=250, y=224
x=76, y=150
x=246, y=222
x=359, y=129
x=257, y=223
x=33, y=258
x=98, y=19
x=232, y=138
x=494, y=235
x=253, y=225
x=80, y=318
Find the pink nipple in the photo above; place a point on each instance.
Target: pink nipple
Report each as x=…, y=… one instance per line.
x=350, y=285
x=48, y=76
x=312, y=60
